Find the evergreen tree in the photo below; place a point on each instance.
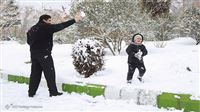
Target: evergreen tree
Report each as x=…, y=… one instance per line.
x=9, y=17
x=190, y=23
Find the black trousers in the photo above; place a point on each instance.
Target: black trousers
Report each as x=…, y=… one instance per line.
x=42, y=62
x=132, y=67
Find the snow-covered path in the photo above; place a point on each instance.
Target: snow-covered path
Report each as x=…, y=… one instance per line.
x=14, y=98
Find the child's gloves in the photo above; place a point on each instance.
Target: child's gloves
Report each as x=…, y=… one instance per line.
x=138, y=55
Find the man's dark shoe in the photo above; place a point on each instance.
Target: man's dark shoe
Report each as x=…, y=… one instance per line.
x=55, y=94
x=31, y=95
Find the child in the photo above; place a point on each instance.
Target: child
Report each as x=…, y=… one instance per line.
x=136, y=51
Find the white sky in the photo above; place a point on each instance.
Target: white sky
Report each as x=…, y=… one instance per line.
x=53, y=4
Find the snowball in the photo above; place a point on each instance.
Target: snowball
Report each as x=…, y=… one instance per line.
x=82, y=14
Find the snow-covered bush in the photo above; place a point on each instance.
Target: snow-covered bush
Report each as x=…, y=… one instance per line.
x=160, y=44
x=88, y=56
x=165, y=29
x=190, y=22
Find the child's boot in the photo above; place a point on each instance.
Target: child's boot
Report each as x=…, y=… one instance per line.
x=128, y=81
x=140, y=79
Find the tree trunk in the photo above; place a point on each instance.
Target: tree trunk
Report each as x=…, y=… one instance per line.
x=106, y=42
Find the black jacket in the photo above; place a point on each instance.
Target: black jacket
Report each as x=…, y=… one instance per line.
x=43, y=37
x=132, y=49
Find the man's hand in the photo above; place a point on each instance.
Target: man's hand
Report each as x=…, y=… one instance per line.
x=78, y=17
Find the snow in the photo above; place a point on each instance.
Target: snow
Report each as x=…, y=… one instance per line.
x=14, y=98
x=166, y=67
x=82, y=14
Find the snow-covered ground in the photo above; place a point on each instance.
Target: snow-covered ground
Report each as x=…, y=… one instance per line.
x=14, y=98
x=166, y=67
x=166, y=72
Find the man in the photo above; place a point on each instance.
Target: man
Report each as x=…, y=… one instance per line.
x=40, y=39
